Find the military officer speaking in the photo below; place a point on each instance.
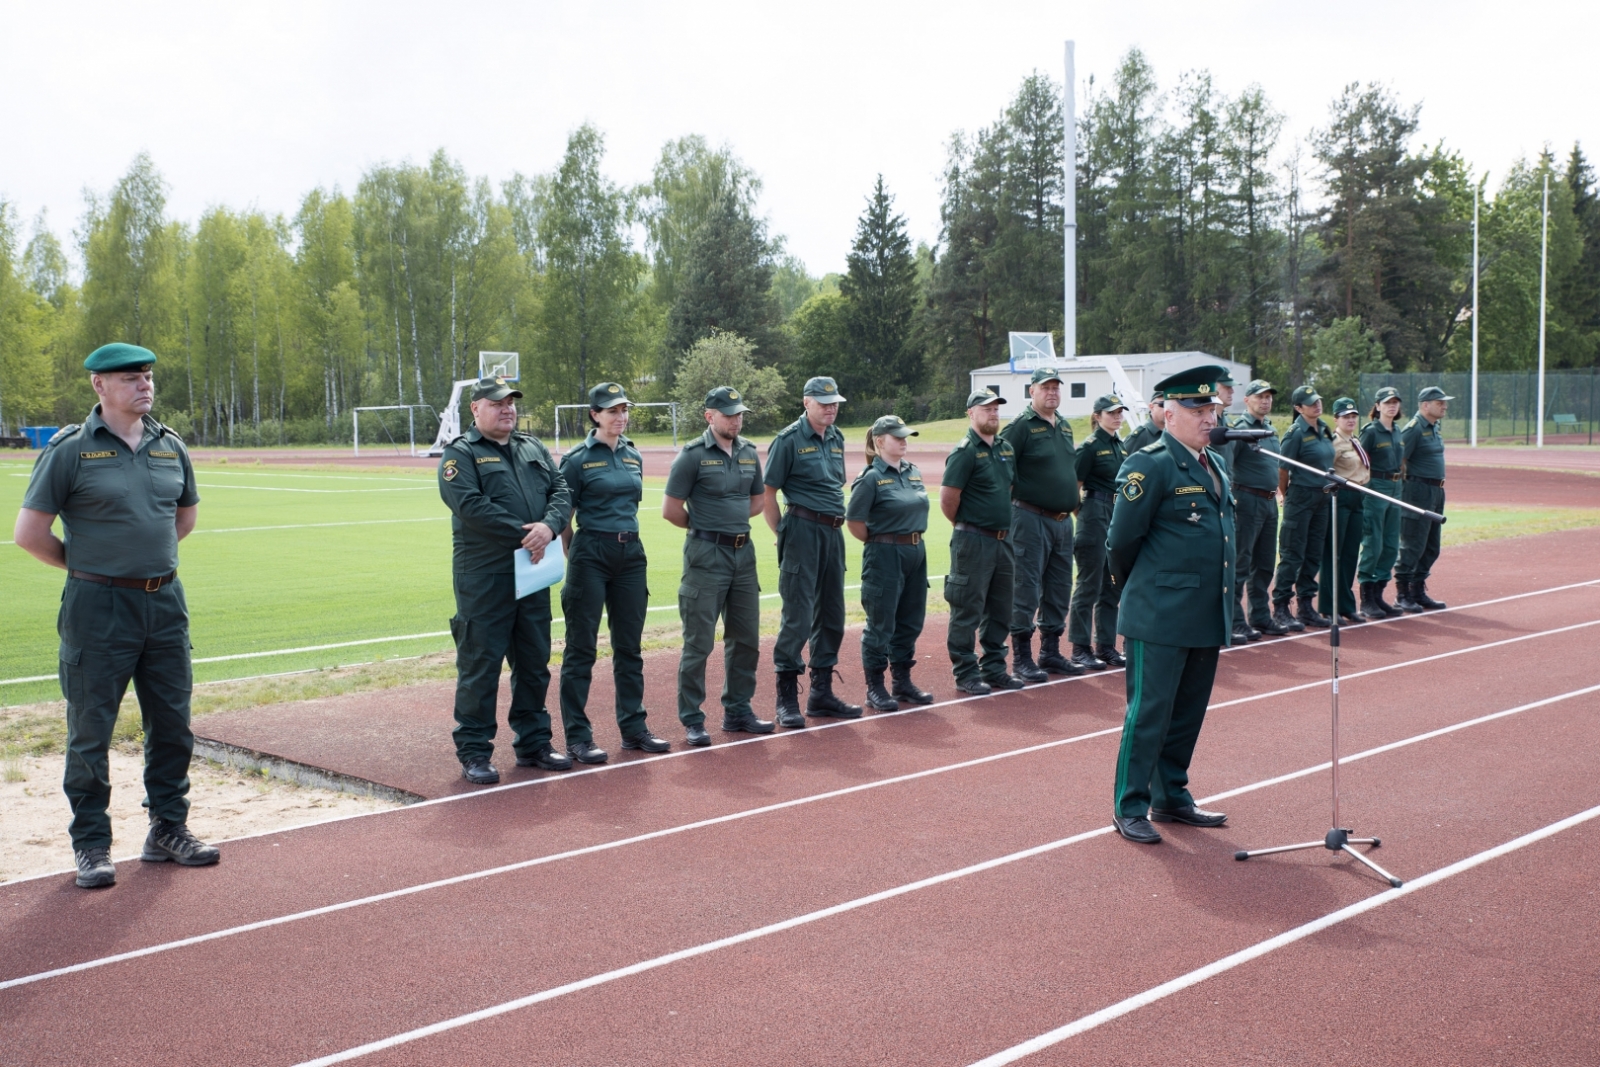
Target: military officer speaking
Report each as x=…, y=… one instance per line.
x=124, y=488
x=504, y=493
x=1255, y=492
x=1172, y=553
x=806, y=462
x=1422, y=449
x=713, y=491
x=1044, y=497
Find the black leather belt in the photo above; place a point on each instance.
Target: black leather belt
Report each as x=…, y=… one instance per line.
x=610, y=535
x=1037, y=510
x=1098, y=494
x=1437, y=483
x=834, y=521
x=895, y=539
x=725, y=540
x=1385, y=477
x=149, y=585
x=1264, y=493
x=967, y=527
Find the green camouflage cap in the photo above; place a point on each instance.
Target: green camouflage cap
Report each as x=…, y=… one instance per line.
x=1193, y=388
x=493, y=388
x=1432, y=392
x=727, y=400
x=1388, y=392
x=1109, y=402
x=1304, y=395
x=607, y=395
x=1345, y=406
x=823, y=391
x=1044, y=374
x=894, y=426
x=980, y=397
x=119, y=356
x=1258, y=386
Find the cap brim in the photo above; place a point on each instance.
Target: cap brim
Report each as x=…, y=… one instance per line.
x=611, y=402
x=828, y=398
x=1196, y=401
x=737, y=409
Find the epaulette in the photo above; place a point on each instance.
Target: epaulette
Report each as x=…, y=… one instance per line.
x=1154, y=446
x=964, y=442
x=63, y=433
x=789, y=429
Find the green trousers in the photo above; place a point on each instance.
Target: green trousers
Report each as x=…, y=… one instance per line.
x=1255, y=524
x=718, y=582
x=1419, y=538
x=811, y=589
x=109, y=637
x=1380, y=532
x=1349, y=530
x=978, y=590
x=1094, y=598
x=1168, y=690
x=603, y=573
x=894, y=594
x=1300, y=537
x=491, y=626
x=1043, y=549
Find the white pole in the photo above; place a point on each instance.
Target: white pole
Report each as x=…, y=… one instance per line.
x=1475, y=198
x=1544, y=259
x=355, y=430
x=1069, y=170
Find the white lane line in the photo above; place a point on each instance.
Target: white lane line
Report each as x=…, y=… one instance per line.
x=797, y=802
x=446, y=1025
x=293, y=489
x=1288, y=937
x=316, y=525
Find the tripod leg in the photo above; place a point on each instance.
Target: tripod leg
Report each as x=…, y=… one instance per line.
x=1391, y=879
x=1280, y=848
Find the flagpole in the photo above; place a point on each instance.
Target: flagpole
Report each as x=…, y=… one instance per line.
x=1544, y=262
x=1477, y=195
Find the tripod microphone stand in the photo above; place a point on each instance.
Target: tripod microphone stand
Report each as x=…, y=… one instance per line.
x=1338, y=838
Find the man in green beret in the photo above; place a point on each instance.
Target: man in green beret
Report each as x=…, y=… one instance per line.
x=806, y=462
x=713, y=491
x=504, y=492
x=975, y=495
x=125, y=490
x=1305, y=513
x=1094, y=598
x=1422, y=452
x=1255, y=489
x=1044, y=498
x=1171, y=552
x=1380, y=521
x=1153, y=427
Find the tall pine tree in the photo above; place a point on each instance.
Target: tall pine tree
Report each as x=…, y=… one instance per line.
x=880, y=288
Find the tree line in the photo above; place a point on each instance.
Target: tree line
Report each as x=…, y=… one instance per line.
x=1200, y=226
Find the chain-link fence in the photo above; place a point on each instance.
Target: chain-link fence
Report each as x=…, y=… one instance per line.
x=1506, y=403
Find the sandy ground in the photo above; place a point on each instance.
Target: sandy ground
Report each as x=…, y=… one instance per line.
x=223, y=804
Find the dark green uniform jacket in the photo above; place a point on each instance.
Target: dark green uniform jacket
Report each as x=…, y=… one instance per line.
x=1311, y=445
x=1044, y=451
x=808, y=466
x=1098, y=461
x=1423, y=449
x=983, y=473
x=606, y=484
x=1171, y=548
x=1383, y=448
x=714, y=486
x=492, y=490
x=1246, y=465
x=1144, y=435
x=890, y=500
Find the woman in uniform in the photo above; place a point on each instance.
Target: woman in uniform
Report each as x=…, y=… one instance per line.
x=606, y=569
x=1092, y=622
x=1350, y=461
x=1380, y=523
x=888, y=511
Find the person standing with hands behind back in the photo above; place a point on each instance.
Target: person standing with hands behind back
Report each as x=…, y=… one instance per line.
x=1094, y=599
x=1380, y=522
x=1350, y=462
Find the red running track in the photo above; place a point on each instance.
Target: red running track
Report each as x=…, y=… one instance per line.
x=947, y=973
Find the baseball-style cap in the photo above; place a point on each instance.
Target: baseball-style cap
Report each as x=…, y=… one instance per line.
x=727, y=400
x=495, y=388
x=119, y=355
x=1303, y=396
x=1388, y=392
x=607, y=395
x=1345, y=406
x=894, y=426
x=1195, y=387
x=1432, y=392
x=1044, y=374
x=823, y=391
x=1109, y=402
x=1258, y=386
x=981, y=397
x=1158, y=397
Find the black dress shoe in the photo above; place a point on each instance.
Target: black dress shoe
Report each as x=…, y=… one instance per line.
x=1110, y=656
x=1269, y=628
x=546, y=759
x=749, y=724
x=696, y=736
x=1008, y=681
x=480, y=772
x=973, y=686
x=1192, y=815
x=1136, y=829
x=587, y=752
x=647, y=742
x=1082, y=657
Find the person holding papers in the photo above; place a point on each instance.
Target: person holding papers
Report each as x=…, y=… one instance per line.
x=606, y=570
x=505, y=494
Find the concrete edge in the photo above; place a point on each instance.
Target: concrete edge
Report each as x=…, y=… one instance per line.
x=246, y=759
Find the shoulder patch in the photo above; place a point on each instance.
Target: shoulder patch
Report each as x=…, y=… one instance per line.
x=63, y=433
x=1155, y=446
x=1132, y=490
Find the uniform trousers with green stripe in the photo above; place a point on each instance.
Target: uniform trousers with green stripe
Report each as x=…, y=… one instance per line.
x=604, y=573
x=1380, y=532
x=719, y=581
x=811, y=587
x=1168, y=690
x=1419, y=537
x=894, y=594
x=1095, y=597
x=978, y=590
x=1349, y=535
x=1043, y=548
x=492, y=626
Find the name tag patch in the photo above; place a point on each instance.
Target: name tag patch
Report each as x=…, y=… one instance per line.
x=633, y=461
x=591, y=466
x=803, y=451
x=97, y=455
x=162, y=455
x=711, y=463
x=488, y=459
x=1182, y=489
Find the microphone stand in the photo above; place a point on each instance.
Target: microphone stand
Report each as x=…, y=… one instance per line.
x=1338, y=838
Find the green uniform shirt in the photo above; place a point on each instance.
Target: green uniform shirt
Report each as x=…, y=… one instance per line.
x=983, y=474
x=1311, y=445
x=808, y=466
x=1144, y=435
x=1246, y=465
x=118, y=506
x=1422, y=447
x=1099, y=460
x=715, y=486
x=1383, y=448
x=606, y=485
x=1045, y=476
x=890, y=500
x=492, y=490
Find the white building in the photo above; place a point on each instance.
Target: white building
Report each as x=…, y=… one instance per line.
x=1084, y=378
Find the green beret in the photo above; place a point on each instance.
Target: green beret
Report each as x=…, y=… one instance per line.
x=982, y=397
x=1259, y=386
x=1432, y=392
x=1195, y=387
x=824, y=391
x=1045, y=374
x=1305, y=396
x=493, y=388
x=606, y=395
x=1345, y=406
x=894, y=426
x=1109, y=402
x=119, y=356
x=726, y=399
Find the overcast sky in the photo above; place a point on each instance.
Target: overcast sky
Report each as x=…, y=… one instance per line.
x=253, y=103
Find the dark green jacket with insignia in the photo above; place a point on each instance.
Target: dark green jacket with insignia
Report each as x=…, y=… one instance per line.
x=606, y=484
x=1144, y=435
x=1246, y=465
x=1423, y=448
x=1171, y=549
x=1044, y=474
x=492, y=491
x=808, y=467
x=983, y=473
x=1099, y=460
x=1383, y=448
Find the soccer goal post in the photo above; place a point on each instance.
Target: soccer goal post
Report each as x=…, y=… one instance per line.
x=385, y=432
x=642, y=418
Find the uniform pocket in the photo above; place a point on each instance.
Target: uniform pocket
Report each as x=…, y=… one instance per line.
x=70, y=654
x=687, y=592
x=166, y=479
x=1178, y=580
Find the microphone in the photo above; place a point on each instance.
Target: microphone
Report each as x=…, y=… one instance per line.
x=1224, y=434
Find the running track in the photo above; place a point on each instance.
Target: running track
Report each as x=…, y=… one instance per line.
x=936, y=887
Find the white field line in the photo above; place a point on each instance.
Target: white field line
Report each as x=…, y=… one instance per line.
x=317, y=525
x=749, y=813
x=296, y=489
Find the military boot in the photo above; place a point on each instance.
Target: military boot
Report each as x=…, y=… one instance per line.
x=1050, y=657
x=1369, y=601
x=1022, y=665
x=904, y=688
x=1282, y=618
x=1109, y=655
x=821, y=702
x=1377, y=598
x=1243, y=632
x=878, y=698
x=1085, y=659
x=1309, y=616
x=1403, y=600
x=1419, y=593
x=789, y=716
